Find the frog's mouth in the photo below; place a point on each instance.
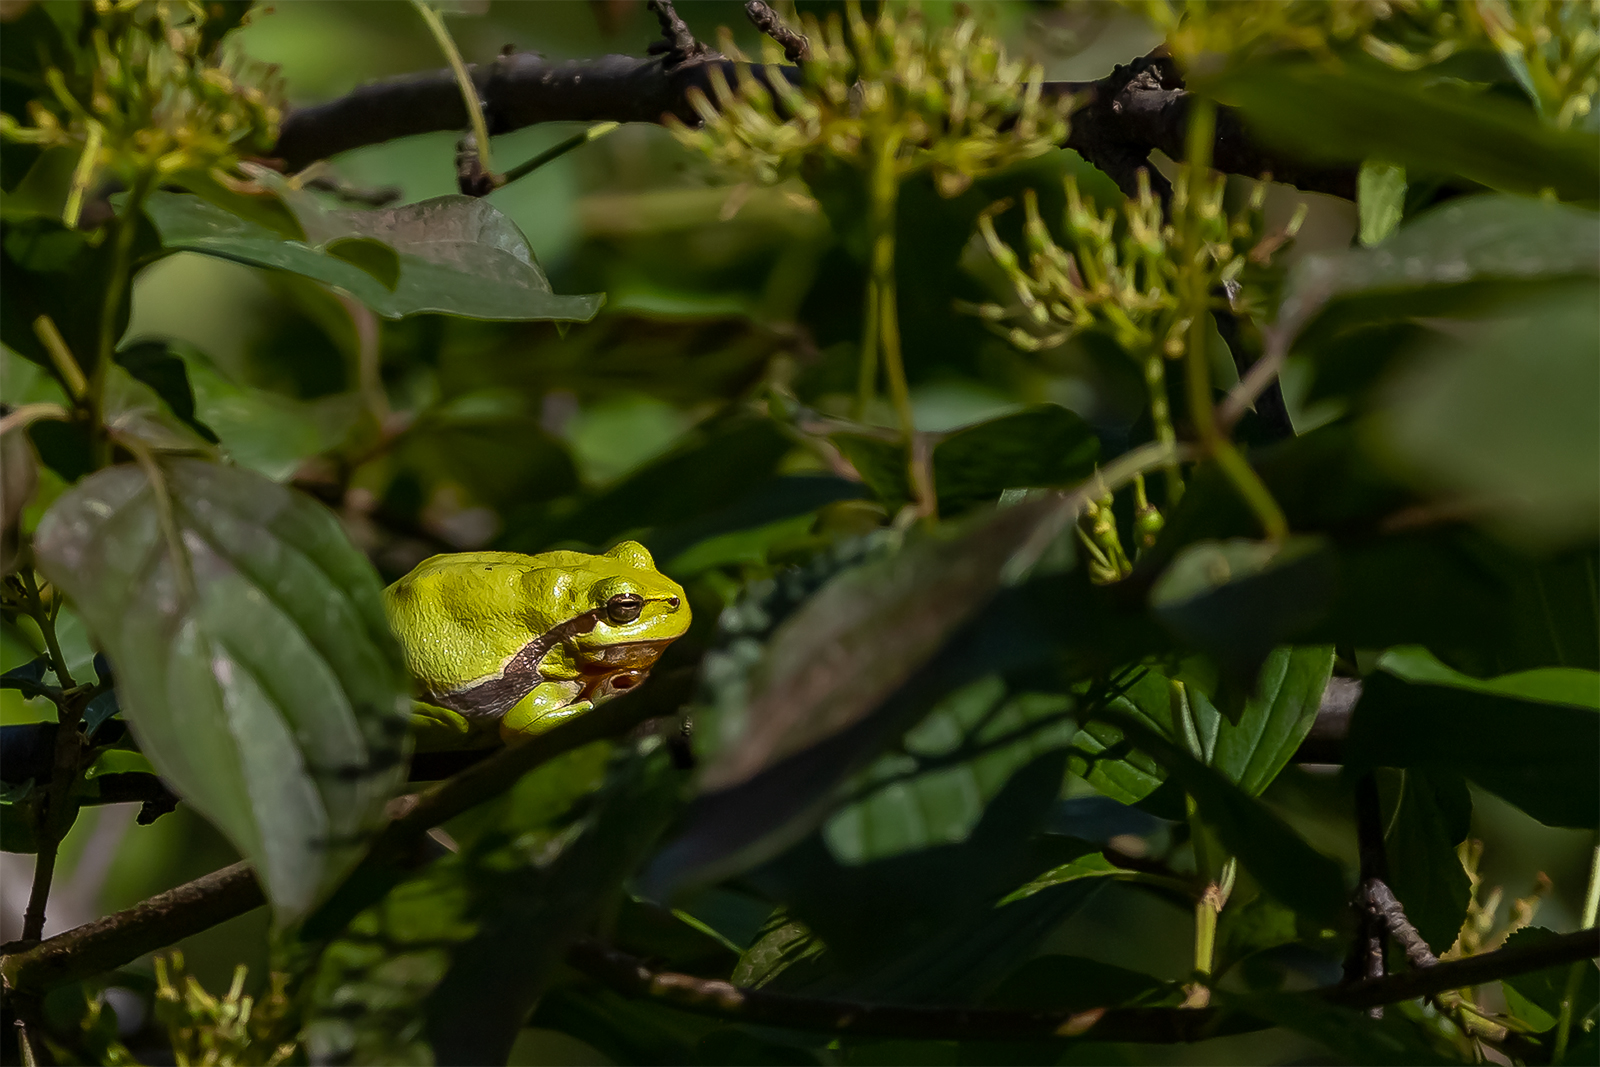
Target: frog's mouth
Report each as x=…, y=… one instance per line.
x=607, y=659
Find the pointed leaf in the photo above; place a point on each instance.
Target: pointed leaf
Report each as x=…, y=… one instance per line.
x=456, y=255
x=266, y=687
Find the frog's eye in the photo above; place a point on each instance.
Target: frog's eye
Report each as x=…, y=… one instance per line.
x=624, y=607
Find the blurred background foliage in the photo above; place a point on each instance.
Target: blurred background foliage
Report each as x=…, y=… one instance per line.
x=433, y=433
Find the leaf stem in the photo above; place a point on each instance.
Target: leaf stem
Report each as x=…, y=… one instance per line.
x=1155, y=381
x=116, y=290
x=64, y=766
x=1569, y=996
x=469, y=91
x=555, y=152
x=1216, y=444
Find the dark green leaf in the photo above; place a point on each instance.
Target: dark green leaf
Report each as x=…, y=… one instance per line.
x=813, y=692
x=1278, y=858
x=1251, y=750
x=257, y=671
x=881, y=464
x=155, y=365
x=446, y=967
x=1544, y=990
x=371, y=255
x=1502, y=415
x=456, y=255
x=1426, y=814
x=1072, y=983
x=1038, y=447
x=951, y=765
x=1359, y=110
x=1436, y=262
x=1534, y=752
x=29, y=678
x=1235, y=600
x=1352, y=1036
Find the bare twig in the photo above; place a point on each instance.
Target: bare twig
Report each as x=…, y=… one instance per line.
x=677, y=41
x=796, y=48
x=1382, y=904
x=1372, y=935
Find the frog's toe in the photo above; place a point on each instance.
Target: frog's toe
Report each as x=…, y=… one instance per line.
x=522, y=723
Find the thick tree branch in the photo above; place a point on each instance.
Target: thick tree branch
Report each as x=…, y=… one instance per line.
x=1135, y=110
x=161, y=920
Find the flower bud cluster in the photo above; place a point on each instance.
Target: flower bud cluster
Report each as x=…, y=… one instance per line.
x=151, y=93
x=1124, y=273
x=949, y=98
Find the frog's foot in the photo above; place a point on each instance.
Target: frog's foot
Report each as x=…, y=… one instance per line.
x=441, y=729
x=522, y=722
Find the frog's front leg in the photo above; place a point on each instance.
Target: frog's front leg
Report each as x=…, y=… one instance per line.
x=546, y=705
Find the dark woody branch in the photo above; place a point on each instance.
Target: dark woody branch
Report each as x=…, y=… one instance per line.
x=1122, y=118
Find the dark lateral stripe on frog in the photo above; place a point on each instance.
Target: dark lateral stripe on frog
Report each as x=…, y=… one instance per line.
x=493, y=697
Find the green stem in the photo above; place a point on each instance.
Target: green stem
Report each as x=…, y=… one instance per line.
x=555, y=152
x=1155, y=381
x=116, y=292
x=469, y=92
x=885, y=196
x=47, y=628
x=64, y=767
x=1217, y=445
x=867, y=368
x=1591, y=910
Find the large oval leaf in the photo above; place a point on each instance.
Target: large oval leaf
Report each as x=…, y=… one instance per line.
x=453, y=254
x=253, y=660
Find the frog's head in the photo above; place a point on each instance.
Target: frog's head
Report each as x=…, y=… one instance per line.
x=627, y=611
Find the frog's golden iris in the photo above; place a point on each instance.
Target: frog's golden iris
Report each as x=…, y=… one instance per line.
x=499, y=641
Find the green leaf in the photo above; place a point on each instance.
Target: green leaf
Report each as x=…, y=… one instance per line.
x=1381, y=197
x=1543, y=991
x=1426, y=813
x=456, y=254
x=447, y=967
x=1073, y=983
x=265, y=431
x=1278, y=858
x=1535, y=753
x=1353, y=1037
x=1502, y=416
x=1251, y=750
x=819, y=682
x=1433, y=263
x=952, y=764
x=257, y=671
x=1236, y=599
x=1039, y=447
x=1360, y=110
x=154, y=364
x=371, y=255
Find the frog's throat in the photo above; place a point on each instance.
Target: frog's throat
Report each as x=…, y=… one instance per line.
x=493, y=697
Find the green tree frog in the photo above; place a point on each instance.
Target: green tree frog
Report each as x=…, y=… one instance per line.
x=500, y=641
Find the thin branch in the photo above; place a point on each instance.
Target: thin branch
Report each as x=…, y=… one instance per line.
x=1384, y=906
x=677, y=40
x=631, y=977
x=120, y=938
x=115, y=940
x=796, y=48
